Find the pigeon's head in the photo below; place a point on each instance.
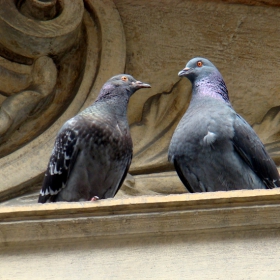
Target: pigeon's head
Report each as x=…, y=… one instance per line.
x=127, y=82
x=198, y=68
x=206, y=79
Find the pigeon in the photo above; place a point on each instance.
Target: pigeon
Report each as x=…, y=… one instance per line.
x=93, y=150
x=213, y=148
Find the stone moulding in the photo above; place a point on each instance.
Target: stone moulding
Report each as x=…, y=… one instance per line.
x=106, y=51
x=200, y=212
x=15, y=27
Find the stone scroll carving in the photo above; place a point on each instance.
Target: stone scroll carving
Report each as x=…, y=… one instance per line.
x=41, y=47
x=54, y=58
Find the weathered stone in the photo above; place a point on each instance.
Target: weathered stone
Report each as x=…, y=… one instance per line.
x=223, y=235
x=80, y=74
x=159, y=41
x=237, y=38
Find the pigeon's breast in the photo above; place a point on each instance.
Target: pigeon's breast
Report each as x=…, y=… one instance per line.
x=204, y=126
x=107, y=136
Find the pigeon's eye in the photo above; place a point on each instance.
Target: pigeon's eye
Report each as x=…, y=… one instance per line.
x=124, y=78
x=199, y=63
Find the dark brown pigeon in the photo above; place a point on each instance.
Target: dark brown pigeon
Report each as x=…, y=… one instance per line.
x=93, y=150
x=213, y=148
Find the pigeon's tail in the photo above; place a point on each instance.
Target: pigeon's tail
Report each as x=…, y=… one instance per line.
x=43, y=198
x=271, y=183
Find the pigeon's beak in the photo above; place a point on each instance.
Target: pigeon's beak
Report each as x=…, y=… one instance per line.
x=184, y=72
x=139, y=84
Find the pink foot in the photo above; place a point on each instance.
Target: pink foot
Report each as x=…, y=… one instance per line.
x=95, y=198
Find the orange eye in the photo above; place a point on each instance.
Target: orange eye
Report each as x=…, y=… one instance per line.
x=124, y=78
x=199, y=63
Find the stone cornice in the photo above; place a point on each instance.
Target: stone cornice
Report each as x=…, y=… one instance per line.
x=234, y=210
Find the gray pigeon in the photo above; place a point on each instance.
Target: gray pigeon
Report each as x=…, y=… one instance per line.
x=93, y=150
x=213, y=148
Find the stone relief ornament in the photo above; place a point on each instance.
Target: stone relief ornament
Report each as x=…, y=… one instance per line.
x=269, y=132
x=56, y=54
x=54, y=57
x=42, y=47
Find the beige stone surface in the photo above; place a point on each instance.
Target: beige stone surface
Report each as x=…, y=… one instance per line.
x=162, y=183
x=235, y=256
x=223, y=235
x=236, y=38
x=152, y=42
x=20, y=170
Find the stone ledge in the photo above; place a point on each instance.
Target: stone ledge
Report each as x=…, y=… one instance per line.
x=198, y=212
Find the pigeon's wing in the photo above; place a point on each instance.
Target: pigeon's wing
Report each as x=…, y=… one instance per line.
x=183, y=177
x=124, y=175
x=250, y=148
x=62, y=160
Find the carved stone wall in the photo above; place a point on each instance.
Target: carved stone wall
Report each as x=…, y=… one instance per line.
x=78, y=45
x=55, y=57
x=237, y=38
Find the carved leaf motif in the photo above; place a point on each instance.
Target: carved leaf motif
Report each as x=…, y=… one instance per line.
x=268, y=129
x=151, y=137
x=269, y=132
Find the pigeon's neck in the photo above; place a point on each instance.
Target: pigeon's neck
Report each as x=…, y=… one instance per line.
x=114, y=104
x=212, y=86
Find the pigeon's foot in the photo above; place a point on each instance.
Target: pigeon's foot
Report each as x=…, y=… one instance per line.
x=95, y=198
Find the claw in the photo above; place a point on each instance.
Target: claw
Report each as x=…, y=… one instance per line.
x=95, y=198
